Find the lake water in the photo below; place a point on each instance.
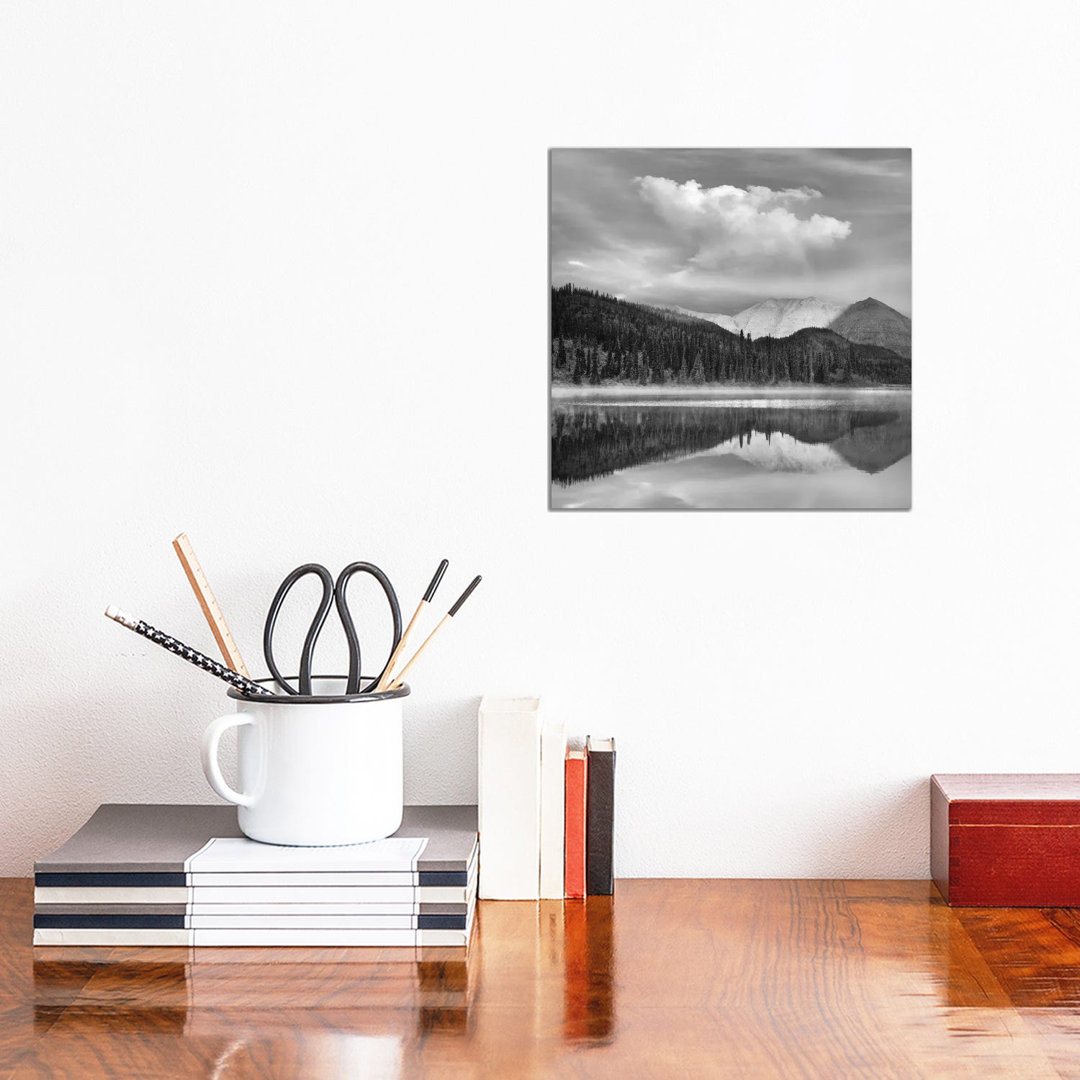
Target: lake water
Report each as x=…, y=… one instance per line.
x=747, y=448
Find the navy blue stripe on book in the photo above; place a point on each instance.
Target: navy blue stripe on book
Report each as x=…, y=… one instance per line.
x=444, y=877
x=109, y=881
x=109, y=922
x=441, y=922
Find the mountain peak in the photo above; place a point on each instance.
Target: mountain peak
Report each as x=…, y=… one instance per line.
x=783, y=316
x=871, y=322
x=866, y=322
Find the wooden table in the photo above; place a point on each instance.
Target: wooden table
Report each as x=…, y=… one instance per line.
x=680, y=978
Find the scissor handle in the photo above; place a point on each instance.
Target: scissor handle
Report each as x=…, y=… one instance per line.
x=308, y=650
x=355, y=673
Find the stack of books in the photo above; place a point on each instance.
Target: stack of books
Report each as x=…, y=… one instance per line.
x=547, y=806
x=186, y=875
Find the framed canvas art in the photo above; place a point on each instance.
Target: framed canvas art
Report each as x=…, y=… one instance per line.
x=730, y=329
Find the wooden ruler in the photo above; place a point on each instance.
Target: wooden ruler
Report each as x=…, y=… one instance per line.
x=204, y=594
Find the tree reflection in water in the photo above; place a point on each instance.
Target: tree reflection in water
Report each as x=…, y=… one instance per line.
x=589, y=440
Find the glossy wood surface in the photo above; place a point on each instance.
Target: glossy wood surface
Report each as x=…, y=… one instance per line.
x=686, y=978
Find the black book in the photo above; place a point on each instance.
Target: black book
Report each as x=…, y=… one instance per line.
x=600, y=818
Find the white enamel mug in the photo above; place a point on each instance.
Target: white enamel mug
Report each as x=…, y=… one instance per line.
x=315, y=770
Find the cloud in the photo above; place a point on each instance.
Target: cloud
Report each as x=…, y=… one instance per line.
x=577, y=262
x=725, y=226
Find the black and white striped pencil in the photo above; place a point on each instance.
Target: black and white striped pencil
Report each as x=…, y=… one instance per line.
x=186, y=652
x=398, y=679
x=387, y=674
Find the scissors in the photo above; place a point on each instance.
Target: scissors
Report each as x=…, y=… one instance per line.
x=333, y=593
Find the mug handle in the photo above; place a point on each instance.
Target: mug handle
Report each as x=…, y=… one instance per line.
x=210, y=740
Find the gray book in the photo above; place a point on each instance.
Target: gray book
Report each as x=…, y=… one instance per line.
x=149, y=846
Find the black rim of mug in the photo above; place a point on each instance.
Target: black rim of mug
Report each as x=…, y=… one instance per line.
x=316, y=699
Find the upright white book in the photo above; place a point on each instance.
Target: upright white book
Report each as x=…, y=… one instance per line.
x=509, y=798
x=552, y=809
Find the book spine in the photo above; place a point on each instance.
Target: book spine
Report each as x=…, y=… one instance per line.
x=111, y=896
x=600, y=819
x=311, y=938
x=228, y=879
x=264, y=911
x=328, y=922
x=109, y=880
x=97, y=920
x=105, y=936
x=509, y=799
x=301, y=894
x=552, y=810
x=255, y=894
x=576, y=788
x=291, y=921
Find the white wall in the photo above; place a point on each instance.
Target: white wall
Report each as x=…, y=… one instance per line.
x=275, y=274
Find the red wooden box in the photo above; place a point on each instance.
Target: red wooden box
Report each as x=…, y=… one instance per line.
x=1006, y=839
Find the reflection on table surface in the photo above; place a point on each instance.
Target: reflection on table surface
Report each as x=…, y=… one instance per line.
x=672, y=978
x=536, y=972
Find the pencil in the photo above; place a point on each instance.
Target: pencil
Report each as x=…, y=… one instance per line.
x=210, y=607
x=186, y=652
x=387, y=674
x=400, y=678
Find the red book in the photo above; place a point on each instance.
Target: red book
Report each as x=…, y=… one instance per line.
x=577, y=765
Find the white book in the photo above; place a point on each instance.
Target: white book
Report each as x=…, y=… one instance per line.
x=302, y=922
x=106, y=936
x=447, y=937
x=443, y=937
x=327, y=894
x=239, y=855
x=235, y=937
x=445, y=894
x=314, y=894
x=326, y=878
x=255, y=894
x=383, y=938
x=509, y=798
x=61, y=894
x=552, y=810
x=261, y=911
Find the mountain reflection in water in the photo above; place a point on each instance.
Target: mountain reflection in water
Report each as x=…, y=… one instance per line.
x=590, y=439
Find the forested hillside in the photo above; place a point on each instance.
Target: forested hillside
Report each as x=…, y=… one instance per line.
x=597, y=339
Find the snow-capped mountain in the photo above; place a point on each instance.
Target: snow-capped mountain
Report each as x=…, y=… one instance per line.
x=867, y=322
x=783, y=453
x=726, y=321
x=780, y=318
x=775, y=318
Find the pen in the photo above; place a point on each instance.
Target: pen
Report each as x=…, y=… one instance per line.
x=400, y=678
x=387, y=674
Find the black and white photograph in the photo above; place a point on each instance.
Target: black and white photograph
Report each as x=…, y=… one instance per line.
x=730, y=329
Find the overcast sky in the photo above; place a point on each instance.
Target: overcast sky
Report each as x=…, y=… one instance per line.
x=718, y=230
